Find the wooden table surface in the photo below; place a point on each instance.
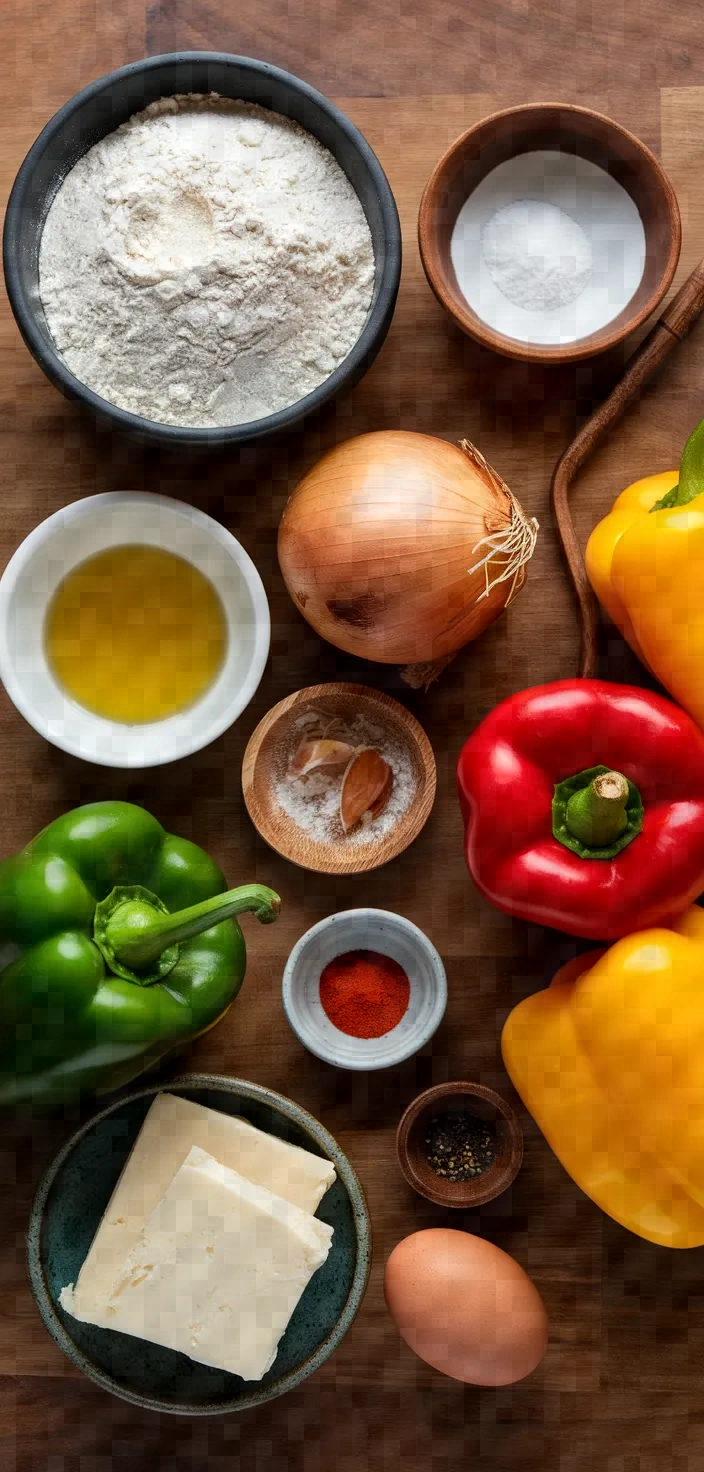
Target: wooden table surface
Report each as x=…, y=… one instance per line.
x=620, y=1388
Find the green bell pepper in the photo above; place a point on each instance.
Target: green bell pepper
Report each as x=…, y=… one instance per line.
x=117, y=944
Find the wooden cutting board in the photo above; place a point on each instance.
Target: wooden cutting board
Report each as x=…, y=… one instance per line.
x=626, y=1318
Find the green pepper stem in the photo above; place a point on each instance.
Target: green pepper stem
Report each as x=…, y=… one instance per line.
x=691, y=481
x=137, y=938
x=596, y=814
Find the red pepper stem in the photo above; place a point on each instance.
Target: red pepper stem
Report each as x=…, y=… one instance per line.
x=137, y=934
x=596, y=814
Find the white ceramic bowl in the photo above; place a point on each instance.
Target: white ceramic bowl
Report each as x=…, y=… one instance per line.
x=372, y=930
x=69, y=537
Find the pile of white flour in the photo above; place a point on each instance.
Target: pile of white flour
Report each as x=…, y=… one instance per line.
x=206, y=264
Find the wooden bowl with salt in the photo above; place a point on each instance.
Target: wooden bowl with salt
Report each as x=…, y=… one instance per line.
x=313, y=764
x=558, y=129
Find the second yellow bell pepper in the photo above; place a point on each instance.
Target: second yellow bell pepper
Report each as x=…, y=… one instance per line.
x=645, y=562
x=608, y=1060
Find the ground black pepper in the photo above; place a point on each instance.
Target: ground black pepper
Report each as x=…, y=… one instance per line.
x=460, y=1146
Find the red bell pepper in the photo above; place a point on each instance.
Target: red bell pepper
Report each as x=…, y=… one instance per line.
x=584, y=808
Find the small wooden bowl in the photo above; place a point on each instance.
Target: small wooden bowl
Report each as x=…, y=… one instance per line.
x=263, y=766
x=565, y=129
x=459, y=1098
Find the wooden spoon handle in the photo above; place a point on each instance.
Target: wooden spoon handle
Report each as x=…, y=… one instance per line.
x=672, y=327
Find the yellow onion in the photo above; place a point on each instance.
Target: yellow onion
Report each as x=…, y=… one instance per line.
x=401, y=548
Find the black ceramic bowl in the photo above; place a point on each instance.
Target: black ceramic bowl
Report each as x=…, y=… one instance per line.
x=97, y=111
x=68, y=1208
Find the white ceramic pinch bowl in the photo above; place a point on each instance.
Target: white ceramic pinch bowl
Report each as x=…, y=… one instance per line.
x=78, y=532
x=364, y=930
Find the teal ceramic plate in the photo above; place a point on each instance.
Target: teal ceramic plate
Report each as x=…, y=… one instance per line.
x=68, y=1208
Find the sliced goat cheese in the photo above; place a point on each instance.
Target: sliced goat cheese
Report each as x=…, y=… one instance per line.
x=171, y=1127
x=217, y=1270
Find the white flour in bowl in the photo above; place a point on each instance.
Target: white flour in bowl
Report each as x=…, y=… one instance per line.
x=206, y=264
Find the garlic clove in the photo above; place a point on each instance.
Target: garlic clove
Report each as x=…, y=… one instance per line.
x=377, y=807
x=335, y=724
x=312, y=718
x=366, y=784
x=321, y=753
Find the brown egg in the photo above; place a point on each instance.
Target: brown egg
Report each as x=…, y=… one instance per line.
x=465, y=1307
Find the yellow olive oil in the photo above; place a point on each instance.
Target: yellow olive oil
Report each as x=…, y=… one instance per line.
x=135, y=634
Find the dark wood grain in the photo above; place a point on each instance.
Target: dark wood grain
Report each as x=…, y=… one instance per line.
x=620, y=1388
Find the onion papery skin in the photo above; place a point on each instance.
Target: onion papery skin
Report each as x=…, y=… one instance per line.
x=376, y=543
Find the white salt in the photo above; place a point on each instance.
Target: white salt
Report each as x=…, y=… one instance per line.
x=548, y=248
x=313, y=802
x=537, y=255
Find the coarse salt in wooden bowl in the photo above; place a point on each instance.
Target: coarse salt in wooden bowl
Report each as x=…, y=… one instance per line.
x=297, y=818
x=459, y=1098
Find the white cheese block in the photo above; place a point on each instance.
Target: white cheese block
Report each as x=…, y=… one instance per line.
x=217, y=1270
x=171, y=1127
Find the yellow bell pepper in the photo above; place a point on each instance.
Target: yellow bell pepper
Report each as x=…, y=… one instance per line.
x=645, y=562
x=608, y=1060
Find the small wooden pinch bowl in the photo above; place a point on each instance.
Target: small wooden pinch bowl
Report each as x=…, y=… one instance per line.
x=459, y=1098
x=264, y=765
x=568, y=130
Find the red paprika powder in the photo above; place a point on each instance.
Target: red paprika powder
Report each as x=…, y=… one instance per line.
x=364, y=993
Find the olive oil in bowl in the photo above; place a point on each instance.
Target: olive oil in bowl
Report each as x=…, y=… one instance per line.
x=135, y=634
